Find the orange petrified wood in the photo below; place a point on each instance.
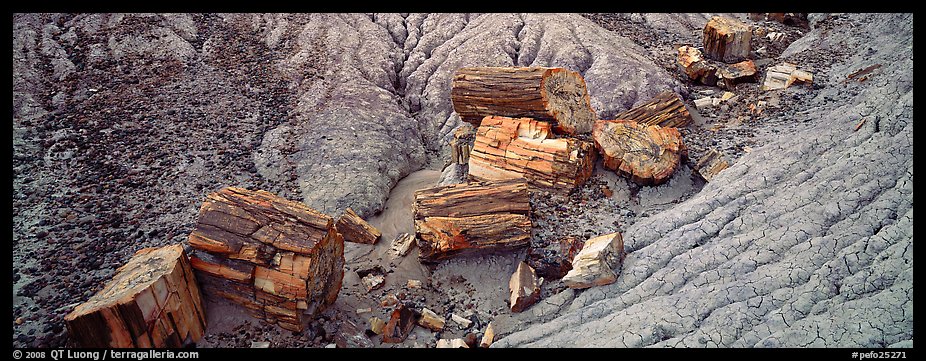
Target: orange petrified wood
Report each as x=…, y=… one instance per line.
x=648, y=155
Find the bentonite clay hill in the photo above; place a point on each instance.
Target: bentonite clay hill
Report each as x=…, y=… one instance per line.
x=124, y=123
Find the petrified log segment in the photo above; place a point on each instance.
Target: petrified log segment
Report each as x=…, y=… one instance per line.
x=648, y=155
x=510, y=148
x=710, y=164
x=462, y=143
x=277, y=258
x=524, y=288
x=726, y=39
x=665, y=110
x=742, y=72
x=549, y=94
x=597, y=263
x=472, y=217
x=400, y=324
x=554, y=260
x=152, y=301
x=354, y=229
x=698, y=69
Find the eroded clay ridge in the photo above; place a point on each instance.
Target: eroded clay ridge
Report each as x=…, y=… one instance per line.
x=804, y=242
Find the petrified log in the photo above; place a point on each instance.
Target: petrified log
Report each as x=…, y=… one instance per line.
x=355, y=229
x=648, y=155
x=549, y=94
x=510, y=148
x=664, y=110
x=554, y=260
x=698, y=69
x=152, y=301
x=400, y=324
x=524, y=288
x=710, y=164
x=595, y=265
x=471, y=218
x=277, y=258
x=726, y=39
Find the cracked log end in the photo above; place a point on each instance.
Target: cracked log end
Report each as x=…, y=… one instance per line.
x=726, y=39
x=152, y=301
x=355, y=229
x=524, y=288
x=472, y=218
x=648, y=155
x=511, y=148
x=595, y=264
x=665, y=110
x=549, y=94
x=278, y=258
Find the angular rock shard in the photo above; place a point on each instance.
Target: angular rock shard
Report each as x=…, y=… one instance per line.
x=554, y=260
x=648, y=155
x=710, y=164
x=402, y=244
x=275, y=257
x=726, y=39
x=471, y=218
x=152, y=301
x=400, y=324
x=664, y=110
x=350, y=336
x=524, y=288
x=742, y=72
x=512, y=148
x=548, y=94
x=488, y=337
x=595, y=265
x=431, y=320
x=355, y=229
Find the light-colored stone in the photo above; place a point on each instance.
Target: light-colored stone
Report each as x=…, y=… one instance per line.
x=463, y=322
x=488, y=337
x=260, y=344
x=596, y=262
x=402, y=244
x=524, y=288
x=452, y=343
x=413, y=284
x=373, y=281
x=377, y=325
x=431, y=320
x=784, y=75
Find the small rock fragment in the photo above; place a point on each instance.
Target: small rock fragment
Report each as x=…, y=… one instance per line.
x=377, y=325
x=389, y=300
x=784, y=75
x=414, y=284
x=524, y=288
x=488, y=337
x=710, y=164
x=400, y=324
x=350, y=336
x=431, y=320
x=454, y=343
x=260, y=344
x=402, y=244
x=373, y=281
x=361, y=311
x=464, y=323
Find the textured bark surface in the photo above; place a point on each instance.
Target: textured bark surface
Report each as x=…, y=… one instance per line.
x=472, y=218
x=648, y=155
x=152, y=301
x=550, y=94
x=511, y=148
x=726, y=39
x=277, y=258
x=355, y=229
x=665, y=110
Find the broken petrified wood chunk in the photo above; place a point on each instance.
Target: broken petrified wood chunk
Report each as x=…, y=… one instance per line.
x=664, y=110
x=402, y=244
x=726, y=39
x=511, y=148
x=742, y=72
x=488, y=337
x=152, y=301
x=524, y=288
x=431, y=320
x=377, y=325
x=350, y=336
x=355, y=229
x=452, y=343
x=648, y=155
x=710, y=164
x=784, y=75
x=276, y=257
x=548, y=94
x=696, y=67
x=471, y=218
x=554, y=260
x=595, y=265
x=462, y=143
x=400, y=324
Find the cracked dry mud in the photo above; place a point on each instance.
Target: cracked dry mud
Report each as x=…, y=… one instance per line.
x=123, y=123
